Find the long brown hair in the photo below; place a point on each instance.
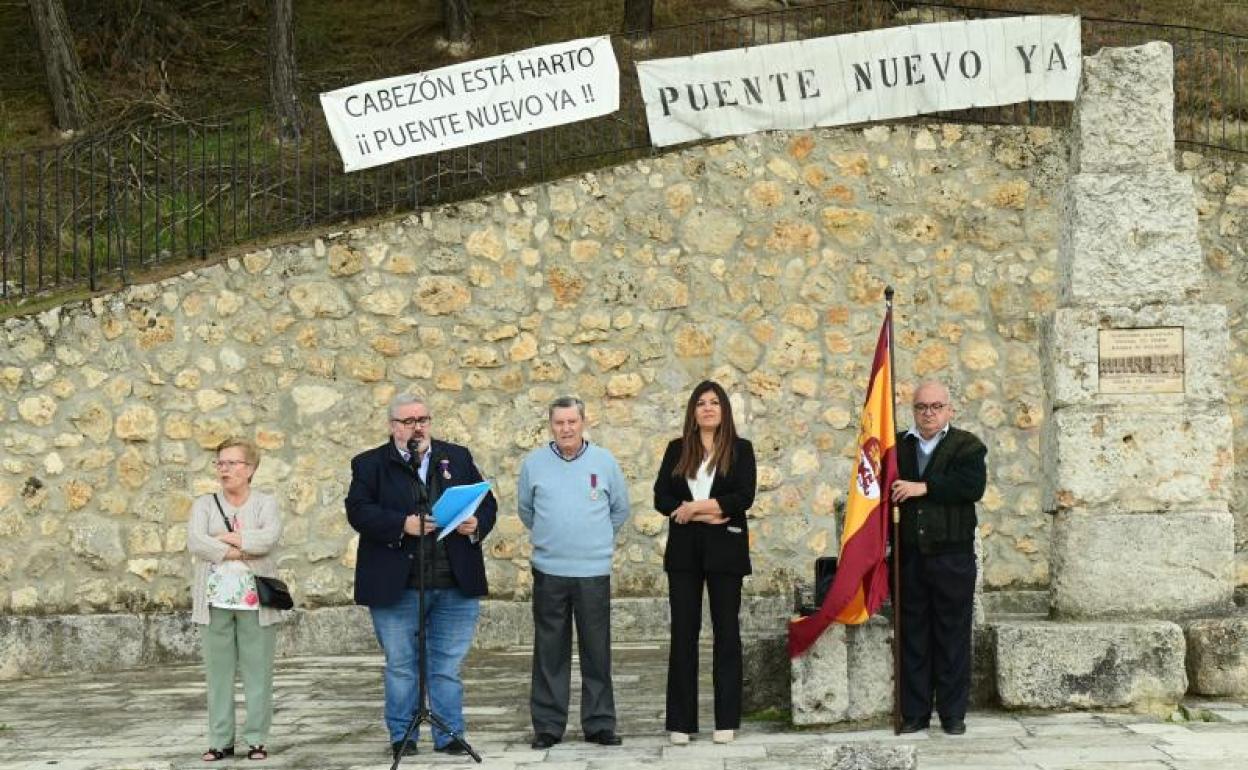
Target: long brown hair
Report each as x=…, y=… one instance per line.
x=691, y=451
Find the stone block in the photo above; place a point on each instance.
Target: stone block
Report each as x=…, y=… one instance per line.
x=1052, y=665
x=767, y=686
x=1016, y=602
x=846, y=675
x=1070, y=349
x=1140, y=565
x=327, y=631
x=1129, y=239
x=1217, y=656
x=868, y=756
x=870, y=669
x=170, y=638
x=983, y=667
x=820, y=680
x=1128, y=458
x=1124, y=116
x=42, y=645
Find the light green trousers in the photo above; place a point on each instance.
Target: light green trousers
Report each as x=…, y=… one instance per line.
x=234, y=640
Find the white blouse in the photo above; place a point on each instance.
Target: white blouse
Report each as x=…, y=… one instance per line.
x=700, y=485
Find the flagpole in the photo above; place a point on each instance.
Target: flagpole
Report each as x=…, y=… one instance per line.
x=894, y=531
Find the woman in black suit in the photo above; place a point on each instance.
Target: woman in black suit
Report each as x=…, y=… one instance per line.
x=705, y=486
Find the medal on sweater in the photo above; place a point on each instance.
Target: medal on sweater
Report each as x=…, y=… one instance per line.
x=445, y=466
x=593, y=486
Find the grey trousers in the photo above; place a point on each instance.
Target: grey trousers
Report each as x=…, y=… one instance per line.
x=557, y=603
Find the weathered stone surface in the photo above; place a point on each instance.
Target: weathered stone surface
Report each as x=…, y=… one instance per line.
x=441, y=295
x=327, y=631
x=319, y=299
x=1051, y=665
x=1217, y=656
x=314, y=399
x=820, y=680
x=138, y=423
x=1124, y=117
x=846, y=675
x=37, y=410
x=1132, y=565
x=1129, y=239
x=1165, y=457
x=37, y=646
x=967, y=217
x=765, y=663
x=172, y=638
x=97, y=542
x=868, y=756
x=1069, y=352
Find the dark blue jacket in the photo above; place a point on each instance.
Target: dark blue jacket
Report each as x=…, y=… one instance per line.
x=383, y=494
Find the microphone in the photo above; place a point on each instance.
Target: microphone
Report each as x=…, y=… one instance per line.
x=413, y=451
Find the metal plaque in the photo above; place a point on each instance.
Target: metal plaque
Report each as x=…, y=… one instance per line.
x=1148, y=360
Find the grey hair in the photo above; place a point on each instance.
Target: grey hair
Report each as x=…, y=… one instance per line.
x=563, y=402
x=936, y=384
x=401, y=400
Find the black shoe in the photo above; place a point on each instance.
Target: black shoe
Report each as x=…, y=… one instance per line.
x=407, y=750
x=543, y=741
x=953, y=726
x=604, y=738
x=913, y=725
x=454, y=748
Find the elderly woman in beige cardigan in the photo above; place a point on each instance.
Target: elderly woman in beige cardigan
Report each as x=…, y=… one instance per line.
x=236, y=632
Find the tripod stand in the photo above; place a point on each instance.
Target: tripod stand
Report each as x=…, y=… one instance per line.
x=423, y=711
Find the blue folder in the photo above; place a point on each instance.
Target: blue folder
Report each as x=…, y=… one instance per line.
x=457, y=504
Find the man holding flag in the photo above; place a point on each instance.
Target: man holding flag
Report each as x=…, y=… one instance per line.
x=932, y=475
x=942, y=476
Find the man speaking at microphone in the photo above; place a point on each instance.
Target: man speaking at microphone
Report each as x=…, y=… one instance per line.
x=391, y=486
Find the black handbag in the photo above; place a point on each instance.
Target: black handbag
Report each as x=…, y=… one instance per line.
x=273, y=593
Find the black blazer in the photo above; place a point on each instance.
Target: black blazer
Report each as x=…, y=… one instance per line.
x=383, y=494
x=698, y=547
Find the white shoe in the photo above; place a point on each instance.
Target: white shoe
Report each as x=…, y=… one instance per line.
x=679, y=739
x=724, y=736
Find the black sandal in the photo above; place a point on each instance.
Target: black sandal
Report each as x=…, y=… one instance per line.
x=216, y=755
x=257, y=752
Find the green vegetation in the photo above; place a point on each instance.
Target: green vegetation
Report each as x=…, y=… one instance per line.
x=177, y=59
x=158, y=178
x=773, y=714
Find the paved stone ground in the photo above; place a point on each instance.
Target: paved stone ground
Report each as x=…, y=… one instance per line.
x=329, y=716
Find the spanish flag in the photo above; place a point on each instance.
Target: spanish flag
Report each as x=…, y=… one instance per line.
x=861, y=582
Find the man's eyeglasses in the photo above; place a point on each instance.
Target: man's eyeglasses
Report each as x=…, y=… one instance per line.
x=230, y=463
x=412, y=422
x=932, y=408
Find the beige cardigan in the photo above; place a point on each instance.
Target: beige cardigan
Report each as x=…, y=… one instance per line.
x=261, y=529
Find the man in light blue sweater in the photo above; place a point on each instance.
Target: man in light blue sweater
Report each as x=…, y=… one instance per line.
x=573, y=498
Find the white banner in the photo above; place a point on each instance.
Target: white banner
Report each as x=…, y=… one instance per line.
x=387, y=120
x=861, y=77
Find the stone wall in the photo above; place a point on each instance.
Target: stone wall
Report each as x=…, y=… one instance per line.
x=759, y=262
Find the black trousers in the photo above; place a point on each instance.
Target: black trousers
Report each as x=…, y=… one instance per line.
x=685, y=600
x=937, y=595
x=557, y=603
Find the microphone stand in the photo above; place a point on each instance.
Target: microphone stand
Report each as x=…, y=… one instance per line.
x=423, y=711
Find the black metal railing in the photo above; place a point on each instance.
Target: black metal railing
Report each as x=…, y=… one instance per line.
x=93, y=211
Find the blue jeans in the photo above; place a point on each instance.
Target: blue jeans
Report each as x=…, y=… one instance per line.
x=450, y=622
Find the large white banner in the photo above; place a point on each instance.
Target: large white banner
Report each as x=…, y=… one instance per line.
x=861, y=77
x=387, y=120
